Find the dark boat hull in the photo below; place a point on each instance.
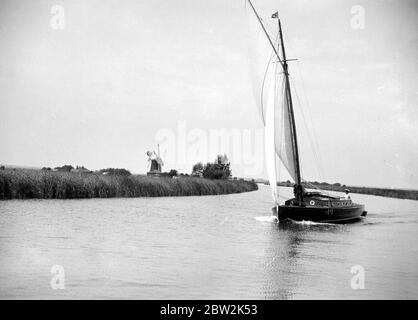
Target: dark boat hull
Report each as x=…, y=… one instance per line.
x=324, y=214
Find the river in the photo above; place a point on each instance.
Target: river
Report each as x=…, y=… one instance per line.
x=208, y=247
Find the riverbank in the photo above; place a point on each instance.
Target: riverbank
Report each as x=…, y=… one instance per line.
x=40, y=184
x=383, y=192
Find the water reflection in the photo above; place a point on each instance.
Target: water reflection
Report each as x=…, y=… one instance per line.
x=285, y=271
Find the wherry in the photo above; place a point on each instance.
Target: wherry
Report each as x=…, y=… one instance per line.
x=281, y=142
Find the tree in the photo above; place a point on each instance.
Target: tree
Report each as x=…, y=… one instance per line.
x=173, y=173
x=65, y=168
x=216, y=171
x=222, y=159
x=197, y=169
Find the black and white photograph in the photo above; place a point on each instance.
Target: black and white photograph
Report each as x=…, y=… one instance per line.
x=196, y=150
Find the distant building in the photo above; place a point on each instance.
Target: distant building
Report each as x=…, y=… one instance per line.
x=155, y=163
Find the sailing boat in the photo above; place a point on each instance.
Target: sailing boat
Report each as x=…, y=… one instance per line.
x=281, y=142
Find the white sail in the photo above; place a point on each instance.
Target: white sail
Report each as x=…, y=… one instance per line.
x=270, y=133
x=277, y=121
x=261, y=57
x=285, y=148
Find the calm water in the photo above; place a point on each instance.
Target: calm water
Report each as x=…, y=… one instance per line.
x=223, y=247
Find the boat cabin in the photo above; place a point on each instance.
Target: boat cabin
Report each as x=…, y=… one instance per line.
x=317, y=199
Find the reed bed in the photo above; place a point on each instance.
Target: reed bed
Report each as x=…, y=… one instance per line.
x=39, y=184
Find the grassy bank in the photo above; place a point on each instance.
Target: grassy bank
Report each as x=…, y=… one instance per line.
x=39, y=184
x=383, y=192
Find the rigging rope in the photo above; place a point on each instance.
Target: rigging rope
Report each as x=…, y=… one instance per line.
x=313, y=140
x=310, y=137
x=318, y=150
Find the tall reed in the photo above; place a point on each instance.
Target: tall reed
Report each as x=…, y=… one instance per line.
x=39, y=184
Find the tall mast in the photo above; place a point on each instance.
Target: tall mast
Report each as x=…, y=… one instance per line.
x=299, y=194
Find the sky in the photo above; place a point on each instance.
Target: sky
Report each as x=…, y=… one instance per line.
x=98, y=83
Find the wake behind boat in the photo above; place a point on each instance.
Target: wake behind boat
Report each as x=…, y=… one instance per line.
x=281, y=141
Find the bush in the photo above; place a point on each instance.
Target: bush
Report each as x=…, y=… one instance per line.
x=216, y=171
x=65, y=168
x=173, y=173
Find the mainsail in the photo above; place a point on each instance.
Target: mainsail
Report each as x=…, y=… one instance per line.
x=284, y=142
x=278, y=127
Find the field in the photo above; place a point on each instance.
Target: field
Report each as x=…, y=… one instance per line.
x=40, y=184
